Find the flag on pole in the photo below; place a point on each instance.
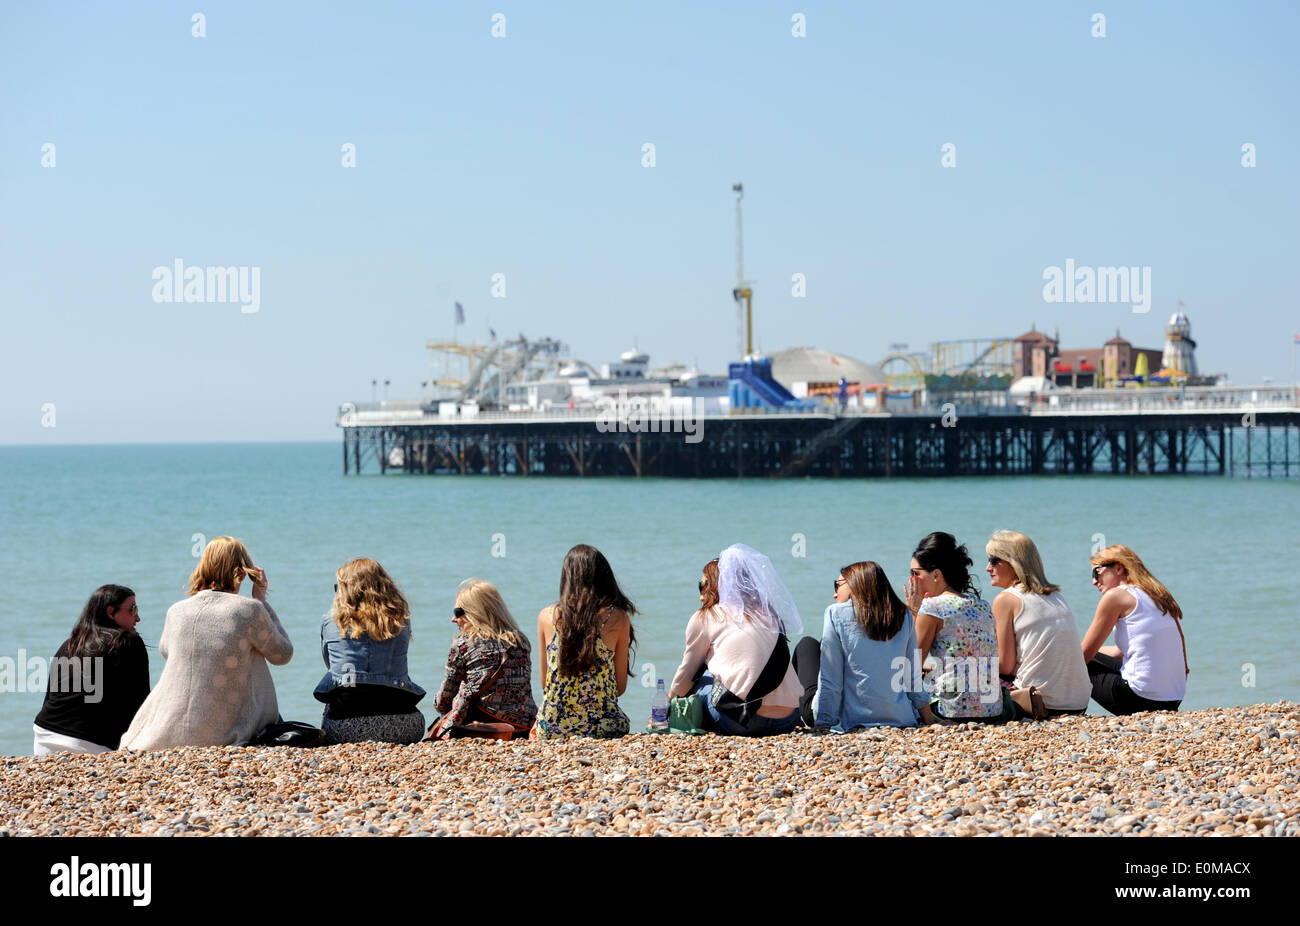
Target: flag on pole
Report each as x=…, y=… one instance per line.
x=460, y=314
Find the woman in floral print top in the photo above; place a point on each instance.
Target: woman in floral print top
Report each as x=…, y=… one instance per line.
x=587, y=638
x=489, y=667
x=955, y=627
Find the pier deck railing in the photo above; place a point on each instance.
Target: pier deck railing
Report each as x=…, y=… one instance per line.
x=1148, y=400
x=1208, y=430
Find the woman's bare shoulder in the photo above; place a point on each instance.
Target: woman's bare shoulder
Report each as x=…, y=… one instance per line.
x=617, y=620
x=1119, y=599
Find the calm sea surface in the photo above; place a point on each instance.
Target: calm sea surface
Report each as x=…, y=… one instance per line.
x=73, y=518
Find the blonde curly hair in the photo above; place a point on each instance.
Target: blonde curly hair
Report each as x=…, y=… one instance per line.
x=368, y=602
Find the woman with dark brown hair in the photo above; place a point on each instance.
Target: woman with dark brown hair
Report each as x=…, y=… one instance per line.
x=88, y=707
x=587, y=638
x=863, y=672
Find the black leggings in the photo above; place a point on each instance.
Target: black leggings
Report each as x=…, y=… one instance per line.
x=1113, y=693
x=807, y=664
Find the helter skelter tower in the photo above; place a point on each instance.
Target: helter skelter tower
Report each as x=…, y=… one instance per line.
x=1180, y=349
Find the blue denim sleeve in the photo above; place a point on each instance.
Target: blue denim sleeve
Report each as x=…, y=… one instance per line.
x=830, y=680
x=324, y=640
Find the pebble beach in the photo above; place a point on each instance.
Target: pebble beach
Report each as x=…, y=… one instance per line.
x=1223, y=772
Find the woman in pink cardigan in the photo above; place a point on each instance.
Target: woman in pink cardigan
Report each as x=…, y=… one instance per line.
x=216, y=689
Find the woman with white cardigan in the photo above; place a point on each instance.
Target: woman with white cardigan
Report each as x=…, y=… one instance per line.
x=216, y=689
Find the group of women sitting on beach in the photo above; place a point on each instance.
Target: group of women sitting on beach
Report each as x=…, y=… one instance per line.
x=939, y=654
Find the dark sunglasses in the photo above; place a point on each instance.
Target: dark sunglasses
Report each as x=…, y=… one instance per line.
x=994, y=561
x=703, y=585
x=1096, y=570
x=458, y=612
x=840, y=581
x=336, y=588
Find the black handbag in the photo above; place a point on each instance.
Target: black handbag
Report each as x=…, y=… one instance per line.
x=743, y=711
x=290, y=733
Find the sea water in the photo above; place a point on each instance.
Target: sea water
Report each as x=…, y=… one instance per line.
x=74, y=518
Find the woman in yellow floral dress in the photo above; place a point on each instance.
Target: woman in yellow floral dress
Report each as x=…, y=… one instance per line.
x=587, y=637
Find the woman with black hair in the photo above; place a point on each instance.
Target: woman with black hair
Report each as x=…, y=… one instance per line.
x=955, y=627
x=97, y=680
x=586, y=637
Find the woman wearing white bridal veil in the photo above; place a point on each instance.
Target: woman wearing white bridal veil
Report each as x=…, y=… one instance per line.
x=739, y=635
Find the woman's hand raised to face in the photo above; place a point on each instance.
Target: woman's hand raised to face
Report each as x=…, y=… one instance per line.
x=912, y=594
x=258, y=577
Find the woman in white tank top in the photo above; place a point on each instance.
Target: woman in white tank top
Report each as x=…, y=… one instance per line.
x=1038, y=640
x=1146, y=669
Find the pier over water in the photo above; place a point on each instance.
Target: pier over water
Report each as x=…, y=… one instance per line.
x=1241, y=431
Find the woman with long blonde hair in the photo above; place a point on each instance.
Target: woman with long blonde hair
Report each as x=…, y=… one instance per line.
x=1146, y=669
x=487, y=688
x=216, y=689
x=368, y=693
x=1038, y=640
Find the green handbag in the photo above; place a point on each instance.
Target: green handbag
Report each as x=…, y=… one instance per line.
x=686, y=715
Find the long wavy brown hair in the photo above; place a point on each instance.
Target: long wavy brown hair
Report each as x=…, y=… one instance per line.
x=588, y=590
x=368, y=602
x=878, y=609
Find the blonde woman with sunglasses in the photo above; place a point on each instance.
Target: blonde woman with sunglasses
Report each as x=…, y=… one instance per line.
x=1038, y=640
x=487, y=689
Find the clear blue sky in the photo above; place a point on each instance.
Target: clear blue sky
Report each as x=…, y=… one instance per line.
x=522, y=155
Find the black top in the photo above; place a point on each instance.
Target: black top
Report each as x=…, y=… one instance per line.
x=101, y=715
x=350, y=701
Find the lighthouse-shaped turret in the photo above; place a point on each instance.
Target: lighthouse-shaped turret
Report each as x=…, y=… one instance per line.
x=1180, y=349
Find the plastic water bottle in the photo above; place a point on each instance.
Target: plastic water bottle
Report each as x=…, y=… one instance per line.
x=659, y=708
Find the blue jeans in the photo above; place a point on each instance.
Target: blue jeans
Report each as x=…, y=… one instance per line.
x=725, y=726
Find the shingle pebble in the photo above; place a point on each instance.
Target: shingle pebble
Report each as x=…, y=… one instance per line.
x=1203, y=772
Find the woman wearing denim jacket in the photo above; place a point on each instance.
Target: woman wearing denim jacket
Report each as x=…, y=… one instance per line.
x=367, y=692
x=863, y=673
